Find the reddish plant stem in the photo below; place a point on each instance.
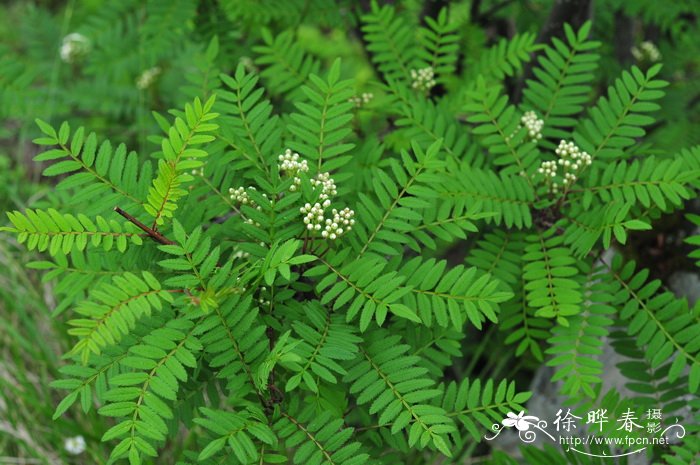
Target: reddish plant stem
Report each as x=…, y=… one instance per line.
x=153, y=234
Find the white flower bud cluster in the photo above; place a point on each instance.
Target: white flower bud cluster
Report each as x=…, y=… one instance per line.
x=363, y=99
x=548, y=168
x=74, y=46
x=571, y=159
x=569, y=178
x=241, y=289
x=331, y=228
x=646, y=51
x=75, y=445
x=341, y=223
x=313, y=218
x=423, y=79
x=261, y=300
x=292, y=165
x=240, y=254
x=147, y=78
x=240, y=196
x=570, y=156
x=314, y=215
x=533, y=125
x=327, y=185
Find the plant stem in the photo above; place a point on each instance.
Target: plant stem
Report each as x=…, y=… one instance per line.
x=153, y=234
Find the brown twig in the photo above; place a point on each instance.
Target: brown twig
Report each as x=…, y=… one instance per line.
x=153, y=234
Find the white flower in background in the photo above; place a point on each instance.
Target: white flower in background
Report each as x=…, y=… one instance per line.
x=74, y=46
x=240, y=254
x=423, y=79
x=646, y=51
x=147, y=78
x=262, y=300
x=363, y=99
x=240, y=196
x=75, y=445
x=292, y=165
x=533, y=125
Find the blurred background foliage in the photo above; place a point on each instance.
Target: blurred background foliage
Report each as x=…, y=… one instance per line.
x=157, y=54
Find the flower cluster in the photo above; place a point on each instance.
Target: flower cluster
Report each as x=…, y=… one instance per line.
x=327, y=185
x=646, y=51
x=313, y=216
x=240, y=254
x=533, y=125
x=262, y=300
x=290, y=163
x=331, y=228
x=75, y=445
x=569, y=178
x=240, y=196
x=548, y=168
x=341, y=223
x=423, y=79
x=360, y=100
x=74, y=46
x=571, y=159
x=147, y=78
x=571, y=156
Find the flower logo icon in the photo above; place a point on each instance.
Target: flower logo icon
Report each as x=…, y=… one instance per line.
x=520, y=421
